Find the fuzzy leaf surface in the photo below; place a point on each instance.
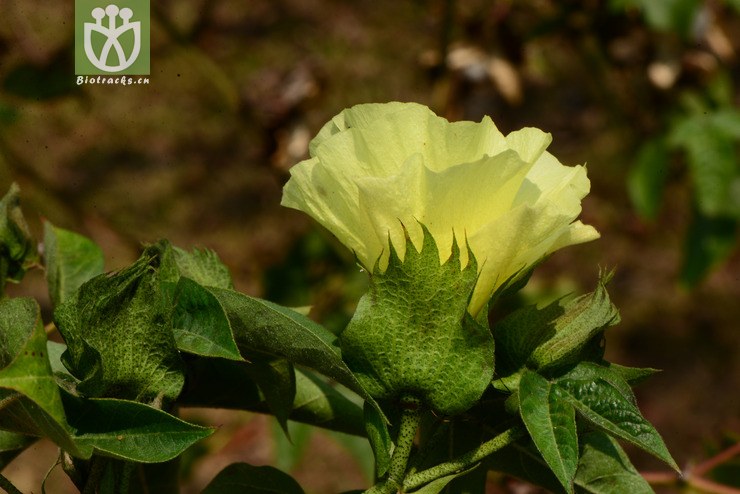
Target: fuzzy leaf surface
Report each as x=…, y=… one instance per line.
x=203, y=266
x=555, y=335
x=262, y=328
x=200, y=325
x=24, y=360
x=31, y=403
x=604, y=468
x=118, y=329
x=71, y=260
x=608, y=405
x=412, y=332
x=551, y=423
x=129, y=430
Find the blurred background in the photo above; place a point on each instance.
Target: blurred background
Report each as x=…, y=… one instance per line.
x=645, y=92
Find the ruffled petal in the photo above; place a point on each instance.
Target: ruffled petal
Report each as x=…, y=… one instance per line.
x=380, y=171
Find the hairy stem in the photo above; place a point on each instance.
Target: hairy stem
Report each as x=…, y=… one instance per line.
x=410, y=417
x=465, y=461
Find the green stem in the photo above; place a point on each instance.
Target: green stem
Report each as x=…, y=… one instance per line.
x=410, y=418
x=465, y=461
x=439, y=433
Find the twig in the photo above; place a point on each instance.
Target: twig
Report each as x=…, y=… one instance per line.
x=465, y=461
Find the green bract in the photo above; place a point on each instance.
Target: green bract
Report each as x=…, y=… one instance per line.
x=412, y=334
x=382, y=171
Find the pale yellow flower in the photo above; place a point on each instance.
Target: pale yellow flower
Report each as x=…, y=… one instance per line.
x=376, y=169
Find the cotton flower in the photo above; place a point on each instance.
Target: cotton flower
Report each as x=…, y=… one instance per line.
x=378, y=172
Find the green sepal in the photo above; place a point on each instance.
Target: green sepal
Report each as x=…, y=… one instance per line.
x=412, y=333
x=555, y=336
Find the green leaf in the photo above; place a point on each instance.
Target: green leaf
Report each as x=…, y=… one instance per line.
x=218, y=383
x=118, y=330
x=22, y=415
x=30, y=402
x=646, y=179
x=23, y=356
x=589, y=371
x=380, y=440
x=708, y=242
x=604, y=468
x=239, y=478
x=320, y=403
x=129, y=430
x=71, y=260
x=412, y=333
x=524, y=461
x=16, y=244
x=551, y=423
x=584, y=318
x=559, y=334
x=264, y=328
x=608, y=408
x=276, y=379
x=203, y=266
x=633, y=375
x=200, y=325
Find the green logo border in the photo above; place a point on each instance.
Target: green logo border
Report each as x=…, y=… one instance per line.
x=83, y=14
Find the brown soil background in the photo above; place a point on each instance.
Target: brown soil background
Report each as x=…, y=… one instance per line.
x=237, y=88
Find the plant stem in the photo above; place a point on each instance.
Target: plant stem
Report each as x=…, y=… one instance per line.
x=465, y=461
x=410, y=418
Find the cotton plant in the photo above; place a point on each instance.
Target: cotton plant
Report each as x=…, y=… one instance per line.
x=446, y=219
